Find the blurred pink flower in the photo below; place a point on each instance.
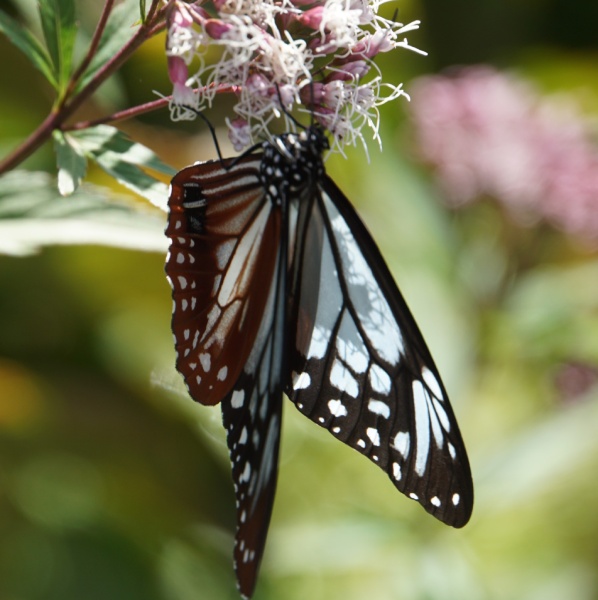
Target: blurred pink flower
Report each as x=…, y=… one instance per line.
x=487, y=133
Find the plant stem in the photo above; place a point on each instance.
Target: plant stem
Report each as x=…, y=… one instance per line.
x=95, y=42
x=121, y=115
x=57, y=118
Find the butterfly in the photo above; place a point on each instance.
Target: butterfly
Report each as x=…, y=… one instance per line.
x=278, y=288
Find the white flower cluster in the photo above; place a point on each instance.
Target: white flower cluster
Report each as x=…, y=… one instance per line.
x=312, y=55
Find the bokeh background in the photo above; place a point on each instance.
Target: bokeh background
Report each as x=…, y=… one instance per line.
x=114, y=485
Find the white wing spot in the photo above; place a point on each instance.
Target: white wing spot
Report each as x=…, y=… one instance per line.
x=441, y=414
x=337, y=408
x=237, y=398
x=349, y=345
x=396, y=471
x=198, y=379
x=242, y=519
x=452, y=451
x=380, y=380
x=401, y=443
x=435, y=501
x=222, y=374
x=186, y=334
x=184, y=304
x=413, y=496
x=243, y=436
x=455, y=499
x=361, y=443
x=342, y=379
x=321, y=419
x=374, y=436
x=336, y=430
x=432, y=383
x=244, y=478
x=193, y=366
x=422, y=427
x=182, y=282
x=177, y=224
x=180, y=258
x=301, y=381
x=379, y=408
x=206, y=361
x=319, y=341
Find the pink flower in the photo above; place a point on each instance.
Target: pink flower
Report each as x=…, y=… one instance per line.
x=489, y=134
x=269, y=52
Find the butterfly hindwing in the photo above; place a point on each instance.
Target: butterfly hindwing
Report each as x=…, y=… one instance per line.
x=361, y=368
x=252, y=416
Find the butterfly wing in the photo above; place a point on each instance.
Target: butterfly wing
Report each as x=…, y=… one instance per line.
x=252, y=415
x=361, y=368
x=227, y=268
x=224, y=235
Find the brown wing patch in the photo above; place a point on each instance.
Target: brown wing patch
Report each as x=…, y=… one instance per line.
x=224, y=237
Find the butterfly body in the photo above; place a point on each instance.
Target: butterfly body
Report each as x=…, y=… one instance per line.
x=278, y=287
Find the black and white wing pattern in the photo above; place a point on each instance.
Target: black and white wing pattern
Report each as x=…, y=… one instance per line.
x=361, y=368
x=252, y=416
x=277, y=286
x=227, y=269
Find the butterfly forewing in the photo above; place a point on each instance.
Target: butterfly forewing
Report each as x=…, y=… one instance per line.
x=362, y=369
x=224, y=240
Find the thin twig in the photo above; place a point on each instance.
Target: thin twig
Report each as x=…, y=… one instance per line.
x=120, y=116
x=57, y=118
x=93, y=46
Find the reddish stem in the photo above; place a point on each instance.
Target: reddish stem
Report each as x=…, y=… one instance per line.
x=121, y=115
x=93, y=46
x=58, y=116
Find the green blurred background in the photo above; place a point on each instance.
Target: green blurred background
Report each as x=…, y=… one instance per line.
x=114, y=485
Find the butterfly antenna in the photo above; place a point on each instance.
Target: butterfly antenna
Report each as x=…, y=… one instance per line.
x=212, y=133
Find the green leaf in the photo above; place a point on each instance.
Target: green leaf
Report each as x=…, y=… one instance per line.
x=33, y=215
x=28, y=44
x=119, y=30
x=142, y=10
x=71, y=162
x=59, y=27
x=122, y=158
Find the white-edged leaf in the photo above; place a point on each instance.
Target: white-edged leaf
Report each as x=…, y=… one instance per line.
x=122, y=158
x=33, y=215
x=71, y=163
